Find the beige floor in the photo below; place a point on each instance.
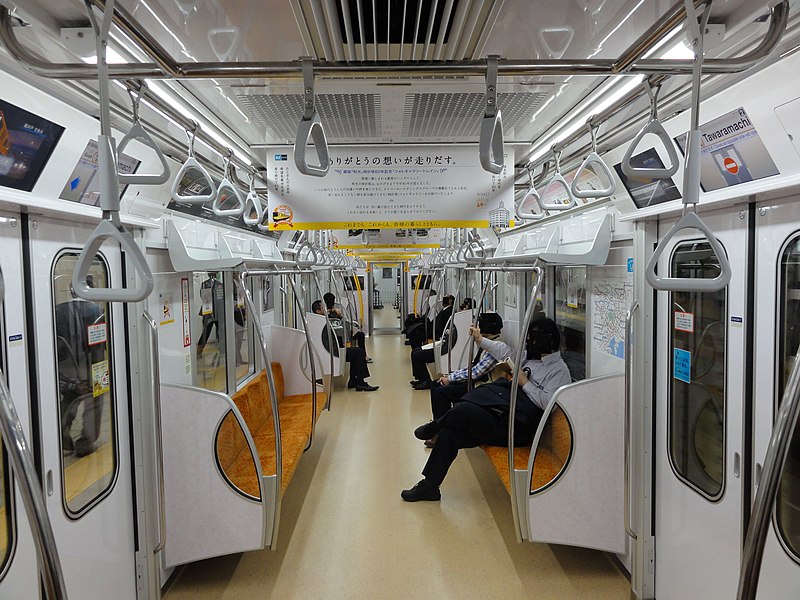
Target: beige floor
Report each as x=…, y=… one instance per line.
x=386, y=317
x=346, y=534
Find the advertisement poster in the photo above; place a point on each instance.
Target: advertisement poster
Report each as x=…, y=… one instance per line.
x=100, y=379
x=83, y=184
x=395, y=187
x=26, y=142
x=646, y=191
x=354, y=239
x=731, y=152
x=187, y=336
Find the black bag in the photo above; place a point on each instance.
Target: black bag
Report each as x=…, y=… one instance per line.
x=496, y=398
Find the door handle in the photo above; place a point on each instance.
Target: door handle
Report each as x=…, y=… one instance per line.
x=49, y=482
x=758, y=474
x=737, y=465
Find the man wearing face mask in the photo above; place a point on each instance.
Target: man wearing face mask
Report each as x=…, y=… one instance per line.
x=482, y=415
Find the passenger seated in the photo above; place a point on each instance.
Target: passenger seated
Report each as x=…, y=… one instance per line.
x=335, y=312
x=450, y=388
x=417, y=327
x=357, y=357
x=482, y=415
x=466, y=304
x=420, y=357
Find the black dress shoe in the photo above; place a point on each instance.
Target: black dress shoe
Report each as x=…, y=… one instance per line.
x=422, y=491
x=414, y=382
x=427, y=431
x=351, y=384
x=422, y=385
x=431, y=442
x=365, y=387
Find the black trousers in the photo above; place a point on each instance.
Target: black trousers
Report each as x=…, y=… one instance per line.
x=467, y=425
x=419, y=358
x=208, y=323
x=358, y=338
x=357, y=357
x=443, y=397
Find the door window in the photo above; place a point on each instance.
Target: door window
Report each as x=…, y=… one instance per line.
x=85, y=387
x=788, y=503
x=697, y=408
x=243, y=334
x=208, y=328
x=570, y=318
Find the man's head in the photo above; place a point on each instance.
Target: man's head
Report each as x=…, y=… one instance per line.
x=466, y=304
x=490, y=324
x=316, y=307
x=329, y=299
x=543, y=338
x=448, y=300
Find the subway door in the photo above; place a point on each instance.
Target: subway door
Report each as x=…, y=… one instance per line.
x=84, y=429
x=699, y=410
x=776, y=344
x=19, y=577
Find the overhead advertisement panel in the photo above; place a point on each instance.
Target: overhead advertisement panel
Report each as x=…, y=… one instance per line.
x=349, y=239
x=390, y=187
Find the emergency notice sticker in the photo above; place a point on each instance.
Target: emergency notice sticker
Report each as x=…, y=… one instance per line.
x=100, y=378
x=684, y=321
x=97, y=334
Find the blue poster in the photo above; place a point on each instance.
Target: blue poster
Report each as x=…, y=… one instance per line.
x=682, y=365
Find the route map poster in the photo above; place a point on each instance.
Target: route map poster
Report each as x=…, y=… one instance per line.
x=611, y=299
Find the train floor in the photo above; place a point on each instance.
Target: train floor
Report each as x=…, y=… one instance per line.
x=346, y=534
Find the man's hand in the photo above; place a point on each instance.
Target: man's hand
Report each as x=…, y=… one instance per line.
x=523, y=378
x=443, y=380
x=475, y=332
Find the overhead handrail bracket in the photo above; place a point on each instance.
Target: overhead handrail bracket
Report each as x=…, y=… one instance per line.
x=691, y=185
x=111, y=226
x=192, y=163
x=557, y=179
x=491, y=148
x=226, y=190
x=599, y=167
x=139, y=133
x=653, y=126
x=310, y=127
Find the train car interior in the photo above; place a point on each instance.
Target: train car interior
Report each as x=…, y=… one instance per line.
x=264, y=265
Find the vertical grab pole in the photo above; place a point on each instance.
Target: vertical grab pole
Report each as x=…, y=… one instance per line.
x=486, y=285
x=156, y=374
x=452, y=322
x=311, y=361
x=627, y=426
x=276, y=421
x=774, y=462
x=331, y=338
x=515, y=391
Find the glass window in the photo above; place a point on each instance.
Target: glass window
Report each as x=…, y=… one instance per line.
x=208, y=328
x=243, y=338
x=85, y=386
x=570, y=317
x=788, y=507
x=697, y=374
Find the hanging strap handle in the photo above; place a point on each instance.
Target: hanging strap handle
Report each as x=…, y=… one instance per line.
x=139, y=133
x=531, y=194
x=310, y=127
x=110, y=227
x=654, y=127
x=691, y=185
x=226, y=191
x=252, y=204
x=600, y=167
x=192, y=163
x=491, y=141
x=556, y=179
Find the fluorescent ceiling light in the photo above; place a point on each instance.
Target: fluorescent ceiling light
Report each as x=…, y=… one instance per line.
x=112, y=58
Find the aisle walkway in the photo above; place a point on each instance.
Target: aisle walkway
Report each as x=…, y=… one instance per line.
x=346, y=534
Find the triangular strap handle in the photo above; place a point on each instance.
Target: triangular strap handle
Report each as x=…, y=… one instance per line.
x=217, y=35
x=559, y=180
x=191, y=163
x=108, y=230
x=602, y=167
x=491, y=143
x=655, y=127
x=139, y=133
x=252, y=204
x=225, y=191
x=531, y=194
x=563, y=39
x=311, y=129
x=690, y=220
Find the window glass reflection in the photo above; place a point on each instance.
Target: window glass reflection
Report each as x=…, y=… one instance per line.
x=570, y=290
x=208, y=328
x=788, y=504
x=697, y=374
x=242, y=334
x=85, y=386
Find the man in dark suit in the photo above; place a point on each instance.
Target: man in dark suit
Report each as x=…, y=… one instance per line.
x=420, y=357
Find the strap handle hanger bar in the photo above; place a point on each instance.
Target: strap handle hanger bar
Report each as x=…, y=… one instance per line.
x=530, y=194
x=653, y=126
x=252, y=205
x=310, y=127
x=600, y=168
x=227, y=190
x=192, y=163
x=556, y=179
x=110, y=227
x=139, y=133
x=491, y=144
x=691, y=186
